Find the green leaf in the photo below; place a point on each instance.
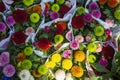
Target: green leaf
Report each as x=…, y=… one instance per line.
x=100, y=68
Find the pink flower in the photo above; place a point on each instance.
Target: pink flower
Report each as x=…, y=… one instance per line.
x=67, y=53
x=69, y=36
x=4, y=59
x=9, y=70
x=79, y=38
x=67, y=3
x=29, y=30
x=2, y=27
x=107, y=32
x=103, y=62
x=88, y=38
x=54, y=15
x=47, y=29
x=110, y=22
x=99, y=48
x=10, y=20
x=74, y=45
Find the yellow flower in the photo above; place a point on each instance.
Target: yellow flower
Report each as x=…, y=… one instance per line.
x=67, y=64
x=77, y=71
x=50, y=64
x=56, y=57
x=79, y=56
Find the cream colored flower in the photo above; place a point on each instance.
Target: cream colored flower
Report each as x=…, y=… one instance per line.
x=68, y=76
x=60, y=75
x=24, y=75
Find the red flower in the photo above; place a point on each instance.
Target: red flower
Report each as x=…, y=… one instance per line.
x=108, y=52
x=63, y=10
x=44, y=44
x=20, y=16
x=59, y=29
x=2, y=7
x=78, y=22
x=19, y=37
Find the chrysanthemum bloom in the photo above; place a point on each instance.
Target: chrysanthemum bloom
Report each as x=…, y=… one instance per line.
x=68, y=62
x=10, y=20
x=60, y=75
x=92, y=47
x=79, y=38
x=26, y=64
x=103, y=62
x=24, y=74
x=78, y=22
x=36, y=74
x=88, y=17
x=110, y=22
x=102, y=2
x=77, y=71
x=20, y=16
x=117, y=14
x=79, y=56
x=99, y=31
x=34, y=17
x=42, y=69
x=99, y=48
x=68, y=3
x=96, y=13
x=58, y=29
x=74, y=45
x=93, y=5
x=55, y=7
x=9, y=70
x=28, y=2
x=2, y=27
x=29, y=30
x=113, y=3
x=47, y=29
x=63, y=24
x=60, y=1
x=21, y=57
x=19, y=37
x=50, y=64
x=63, y=10
x=28, y=51
x=56, y=57
x=67, y=53
x=9, y=1
x=44, y=44
x=54, y=15
x=2, y=7
x=58, y=39
x=68, y=76
x=80, y=10
x=91, y=58
x=88, y=38
x=37, y=9
x=4, y=58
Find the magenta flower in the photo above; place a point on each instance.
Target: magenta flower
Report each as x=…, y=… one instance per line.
x=9, y=70
x=67, y=53
x=93, y=5
x=96, y=13
x=10, y=21
x=54, y=15
x=103, y=62
x=4, y=59
x=88, y=38
x=69, y=36
x=2, y=27
x=47, y=29
x=87, y=17
x=74, y=45
x=107, y=32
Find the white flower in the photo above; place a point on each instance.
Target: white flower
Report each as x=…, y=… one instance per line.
x=9, y=1
x=60, y=75
x=31, y=78
x=69, y=76
x=24, y=75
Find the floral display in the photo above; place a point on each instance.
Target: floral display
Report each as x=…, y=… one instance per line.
x=59, y=39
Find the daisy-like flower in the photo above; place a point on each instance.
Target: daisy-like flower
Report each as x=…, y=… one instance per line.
x=74, y=45
x=60, y=75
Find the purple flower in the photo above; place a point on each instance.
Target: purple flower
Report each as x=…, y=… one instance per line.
x=9, y=70
x=47, y=29
x=54, y=15
x=74, y=45
x=96, y=13
x=10, y=21
x=103, y=62
x=93, y=5
x=4, y=59
x=88, y=17
x=69, y=36
x=67, y=53
x=2, y=26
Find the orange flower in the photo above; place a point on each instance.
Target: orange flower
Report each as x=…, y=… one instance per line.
x=77, y=71
x=21, y=57
x=102, y=2
x=37, y=9
x=36, y=74
x=63, y=24
x=119, y=49
x=29, y=10
x=79, y=56
x=113, y=3
x=47, y=6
